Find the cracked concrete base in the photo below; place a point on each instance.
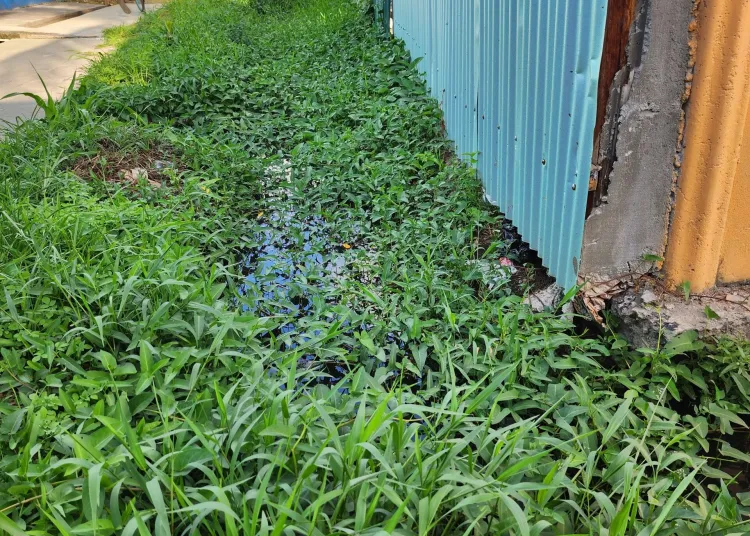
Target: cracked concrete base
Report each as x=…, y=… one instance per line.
x=546, y=298
x=646, y=312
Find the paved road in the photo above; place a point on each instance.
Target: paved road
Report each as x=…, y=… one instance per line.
x=56, y=60
x=57, y=53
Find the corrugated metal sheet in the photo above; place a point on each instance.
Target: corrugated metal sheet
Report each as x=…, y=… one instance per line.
x=517, y=81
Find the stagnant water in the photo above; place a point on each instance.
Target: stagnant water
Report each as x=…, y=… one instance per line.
x=290, y=262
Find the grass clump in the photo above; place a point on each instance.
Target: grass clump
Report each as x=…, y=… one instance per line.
x=295, y=332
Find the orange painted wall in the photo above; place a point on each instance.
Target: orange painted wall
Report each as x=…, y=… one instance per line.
x=735, y=253
x=709, y=240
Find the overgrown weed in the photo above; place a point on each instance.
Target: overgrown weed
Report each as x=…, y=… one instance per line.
x=149, y=385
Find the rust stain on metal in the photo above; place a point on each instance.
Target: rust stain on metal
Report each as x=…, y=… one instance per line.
x=620, y=17
x=593, y=183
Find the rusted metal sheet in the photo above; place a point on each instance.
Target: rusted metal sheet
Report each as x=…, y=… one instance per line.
x=517, y=81
x=620, y=17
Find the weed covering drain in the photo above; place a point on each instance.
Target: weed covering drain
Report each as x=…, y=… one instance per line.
x=299, y=337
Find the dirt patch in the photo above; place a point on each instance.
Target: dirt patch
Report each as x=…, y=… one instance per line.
x=486, y=237
x=529, y=273
x=531, y=276
x=153, y=164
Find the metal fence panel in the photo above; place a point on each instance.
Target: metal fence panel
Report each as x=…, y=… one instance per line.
x=517, y=81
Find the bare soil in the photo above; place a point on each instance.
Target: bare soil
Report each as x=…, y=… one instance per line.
x=127, y=167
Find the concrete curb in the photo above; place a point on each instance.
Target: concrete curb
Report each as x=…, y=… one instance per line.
x=42, y=35
x=63, y=16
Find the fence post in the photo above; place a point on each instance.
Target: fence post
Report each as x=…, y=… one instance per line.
x=383, y=14
x=377, y=6
x=387, y=16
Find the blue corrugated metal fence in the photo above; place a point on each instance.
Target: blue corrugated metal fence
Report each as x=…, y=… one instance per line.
x=517, y=81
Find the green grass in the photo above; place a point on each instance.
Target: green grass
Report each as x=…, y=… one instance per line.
x=372, y=380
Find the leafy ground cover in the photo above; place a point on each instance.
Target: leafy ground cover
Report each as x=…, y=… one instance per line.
x=246, y=289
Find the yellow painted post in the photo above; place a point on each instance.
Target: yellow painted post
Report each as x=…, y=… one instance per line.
x=716, y=121
x=735, y=254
